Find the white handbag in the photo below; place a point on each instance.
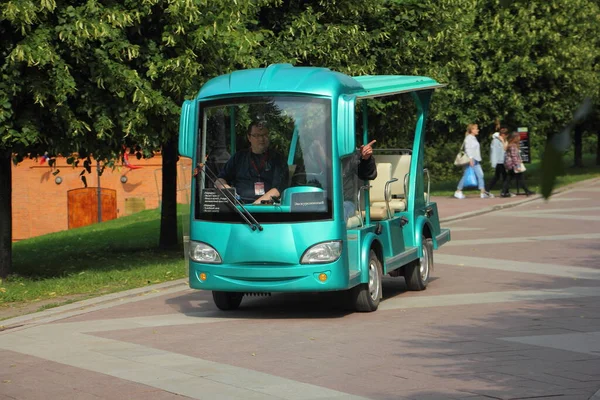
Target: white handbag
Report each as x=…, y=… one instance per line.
x=462, y=158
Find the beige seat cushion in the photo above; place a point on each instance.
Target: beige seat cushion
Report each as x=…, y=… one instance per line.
x=396, y=205
x=384, y=174
x=353, y=222
x=377, y=192
x=400, y=167
x=377, y=213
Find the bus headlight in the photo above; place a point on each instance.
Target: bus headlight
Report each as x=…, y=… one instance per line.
x=203, y=253
x=325, y=252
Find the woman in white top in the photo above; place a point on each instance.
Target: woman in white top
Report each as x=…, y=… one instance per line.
x=474, y=153
x=497, y=150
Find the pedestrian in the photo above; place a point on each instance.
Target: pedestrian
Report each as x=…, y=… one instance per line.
x=497, y=151
x=473, y=151
x=514, y=165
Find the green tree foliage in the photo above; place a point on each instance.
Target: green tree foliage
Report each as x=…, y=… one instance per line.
x=525, y=63
x=92, y=77
x=337, y=34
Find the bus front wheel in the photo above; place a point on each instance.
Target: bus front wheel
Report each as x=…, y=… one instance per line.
x=366, y=296
x=418, y=271
x=227, y=300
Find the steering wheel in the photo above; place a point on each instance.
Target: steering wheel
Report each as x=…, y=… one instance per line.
x=297, y=178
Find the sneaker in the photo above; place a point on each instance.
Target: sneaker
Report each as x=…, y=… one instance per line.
x=491, y=196
x=459, y=195
x=512, y=195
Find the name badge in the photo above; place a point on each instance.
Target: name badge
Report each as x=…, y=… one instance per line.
x=259, y=188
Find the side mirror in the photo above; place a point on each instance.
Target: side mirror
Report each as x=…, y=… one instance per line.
x=345, y=125
x=188, y=127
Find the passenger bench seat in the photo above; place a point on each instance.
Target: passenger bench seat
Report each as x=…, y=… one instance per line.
x=400, y=167
x=377, y=192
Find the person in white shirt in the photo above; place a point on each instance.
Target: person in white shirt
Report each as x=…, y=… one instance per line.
x=497, y=149
x=473, y=151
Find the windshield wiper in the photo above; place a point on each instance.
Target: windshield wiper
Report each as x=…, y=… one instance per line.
x=231, y=199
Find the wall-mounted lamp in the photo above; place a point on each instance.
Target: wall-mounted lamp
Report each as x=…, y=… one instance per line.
x=123, y=179
x=58, y=180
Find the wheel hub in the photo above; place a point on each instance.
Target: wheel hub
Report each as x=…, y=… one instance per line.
x=374, y=283
x=424, y=265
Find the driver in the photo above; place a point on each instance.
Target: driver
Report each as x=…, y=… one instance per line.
x=257, y=173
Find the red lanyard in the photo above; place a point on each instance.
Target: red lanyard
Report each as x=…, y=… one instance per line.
x=263, y=161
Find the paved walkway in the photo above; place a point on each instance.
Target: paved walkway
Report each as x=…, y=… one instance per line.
x=512, y=313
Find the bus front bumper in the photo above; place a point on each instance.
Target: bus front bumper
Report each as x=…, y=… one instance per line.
x=269, y=278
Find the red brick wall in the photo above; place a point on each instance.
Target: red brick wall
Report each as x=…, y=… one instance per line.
x=40, y=205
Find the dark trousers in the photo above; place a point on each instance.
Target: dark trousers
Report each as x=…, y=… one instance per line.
x=499, y=173
x=518, y=178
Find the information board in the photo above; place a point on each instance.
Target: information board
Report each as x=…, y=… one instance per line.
x=524, y=145
x=215, y=201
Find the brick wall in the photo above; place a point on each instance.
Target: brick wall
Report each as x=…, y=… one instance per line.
x=40, y=205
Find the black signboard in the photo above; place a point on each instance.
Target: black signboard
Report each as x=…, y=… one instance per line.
x=524, y=145
x=215, y=201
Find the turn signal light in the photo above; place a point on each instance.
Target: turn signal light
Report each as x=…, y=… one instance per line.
x=202, y=276
x=322, y=277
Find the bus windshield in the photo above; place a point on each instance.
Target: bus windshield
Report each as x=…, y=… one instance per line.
x=272, y=154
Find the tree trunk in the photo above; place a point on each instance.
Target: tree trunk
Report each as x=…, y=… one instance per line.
x=168, y=212
x=578, y=159
x=5, y=214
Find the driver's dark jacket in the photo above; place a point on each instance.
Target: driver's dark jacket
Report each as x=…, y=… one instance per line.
x=245, y=168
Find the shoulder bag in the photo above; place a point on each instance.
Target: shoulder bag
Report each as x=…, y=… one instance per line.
x=462, y=158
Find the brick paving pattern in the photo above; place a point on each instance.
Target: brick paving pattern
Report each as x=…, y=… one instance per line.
x=512, y=313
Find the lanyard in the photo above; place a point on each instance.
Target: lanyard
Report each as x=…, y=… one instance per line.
x=262, y=162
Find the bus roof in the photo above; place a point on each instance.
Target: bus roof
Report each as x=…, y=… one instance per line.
x=285, y=78
x=384, y=85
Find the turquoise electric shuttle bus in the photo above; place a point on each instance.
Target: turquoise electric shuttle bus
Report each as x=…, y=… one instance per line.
x=323, y=229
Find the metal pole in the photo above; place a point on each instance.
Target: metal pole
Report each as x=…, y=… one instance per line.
x=365, y=135
x=99, y=192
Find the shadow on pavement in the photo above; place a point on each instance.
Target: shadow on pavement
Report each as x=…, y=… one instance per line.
x=281, y=305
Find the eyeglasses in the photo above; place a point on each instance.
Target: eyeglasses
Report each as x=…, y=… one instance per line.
x=261, y=136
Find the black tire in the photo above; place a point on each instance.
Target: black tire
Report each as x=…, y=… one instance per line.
x=227, y=301
x=366, y=296
x=417, y=273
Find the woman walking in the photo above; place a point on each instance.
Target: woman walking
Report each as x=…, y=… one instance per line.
x=514, y=164
x=473, y=151
x=497, y=151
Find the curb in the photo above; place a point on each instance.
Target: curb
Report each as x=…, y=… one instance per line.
x=490, y=209
x=88, y=305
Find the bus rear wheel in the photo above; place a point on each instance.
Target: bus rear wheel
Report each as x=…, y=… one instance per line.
x=366, y=296
x=418, y=271
x=227, y=300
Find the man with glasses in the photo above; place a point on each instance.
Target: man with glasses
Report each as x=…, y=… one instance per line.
x=257, y=173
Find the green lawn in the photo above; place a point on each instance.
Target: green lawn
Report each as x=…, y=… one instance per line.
x=103, y=258
x=532, y=176
x=122, y=254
